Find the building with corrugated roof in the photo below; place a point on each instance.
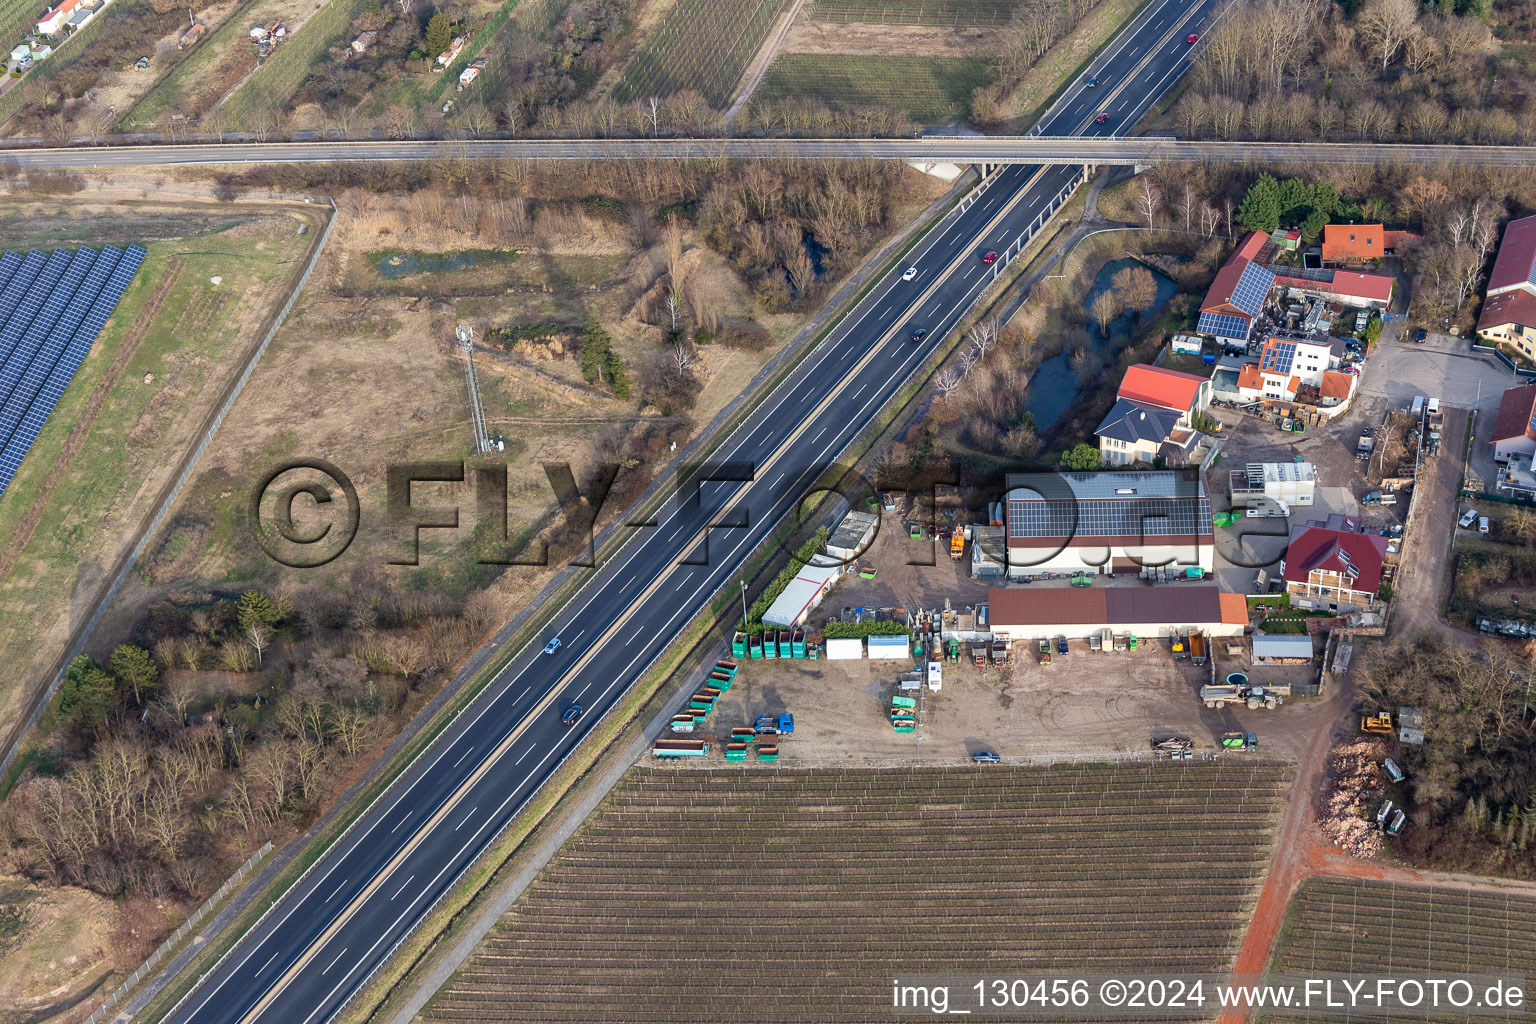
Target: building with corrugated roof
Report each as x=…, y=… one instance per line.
x=1107, y=522
x=1019, y=613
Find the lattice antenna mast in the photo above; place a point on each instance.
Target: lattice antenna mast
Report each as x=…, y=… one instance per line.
x=466, y=338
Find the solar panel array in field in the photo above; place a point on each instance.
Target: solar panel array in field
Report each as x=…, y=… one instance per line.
x=52, y=308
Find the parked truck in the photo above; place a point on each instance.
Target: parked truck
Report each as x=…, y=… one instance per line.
x=999, y=651
x=1255, y=697
x=1239, y=741
x=775, y=725
x=957, y=545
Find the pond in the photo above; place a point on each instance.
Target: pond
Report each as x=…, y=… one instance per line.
x=403, y=264
x=1054, y=387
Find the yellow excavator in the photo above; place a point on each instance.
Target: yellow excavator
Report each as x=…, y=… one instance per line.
x=1379, y=723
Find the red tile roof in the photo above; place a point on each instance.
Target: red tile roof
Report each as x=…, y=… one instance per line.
x=1337, y=385
x=1516, y=264
x=1353, y=242
x=1234, y=609
x=1516, y=307
x=1248, y=250
x=1397, y=239
x=1248, y=376
x=1346, y=283
x=1166, y=389
x=1316, y=548
x=1516, y=410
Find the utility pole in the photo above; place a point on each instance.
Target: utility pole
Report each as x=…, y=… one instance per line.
x=743, y=584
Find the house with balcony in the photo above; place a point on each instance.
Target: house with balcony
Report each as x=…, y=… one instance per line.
x=1334, y=567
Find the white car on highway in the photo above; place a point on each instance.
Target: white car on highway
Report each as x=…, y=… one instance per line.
x=910, y=274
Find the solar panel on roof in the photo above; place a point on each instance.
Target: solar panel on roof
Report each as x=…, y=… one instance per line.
x=1278, y=356
x=75, y=310
x=1224, y=325
x=1252, y=287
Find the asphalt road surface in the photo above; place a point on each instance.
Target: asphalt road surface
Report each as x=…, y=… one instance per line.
x=322, y=941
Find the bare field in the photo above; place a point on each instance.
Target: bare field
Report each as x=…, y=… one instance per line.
x=53, y=944
x=888, y=40
x=763, y=894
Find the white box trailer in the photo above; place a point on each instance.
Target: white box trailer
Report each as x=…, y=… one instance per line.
x=845, y=649
x=935, y=676
x=890, y=648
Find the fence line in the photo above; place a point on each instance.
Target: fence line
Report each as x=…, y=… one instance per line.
x=175, y=938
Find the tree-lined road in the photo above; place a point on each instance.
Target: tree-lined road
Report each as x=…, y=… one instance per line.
x=1043, y=149
x=324, y=939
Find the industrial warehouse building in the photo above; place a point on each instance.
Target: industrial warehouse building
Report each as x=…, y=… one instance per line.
x=1023, y=612
x=804, y=592
x=1106, y=522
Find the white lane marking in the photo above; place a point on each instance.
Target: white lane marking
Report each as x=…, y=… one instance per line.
x=818, y=436
x=333, y=962
x=268, y=963
x=340, y=887
x=402, y=888
x=471, y=814
x=520, y=757
x=467, y=751
x=577, y=636
x=628, y=582
x=402, y=820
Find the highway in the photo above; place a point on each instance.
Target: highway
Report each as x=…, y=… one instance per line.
x=321, y=942
x=990, y=150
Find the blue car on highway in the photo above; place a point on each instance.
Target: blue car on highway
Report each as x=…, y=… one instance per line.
x=552, y=646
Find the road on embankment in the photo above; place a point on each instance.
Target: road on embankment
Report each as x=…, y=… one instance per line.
x=325, y=937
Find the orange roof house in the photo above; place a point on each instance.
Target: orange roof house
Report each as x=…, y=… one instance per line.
x=1167, y=389
x=1358, y=243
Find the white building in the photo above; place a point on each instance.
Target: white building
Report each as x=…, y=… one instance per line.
x=1107, y=522
x=1026, y=612
x=804, y=592
x=1294, y=483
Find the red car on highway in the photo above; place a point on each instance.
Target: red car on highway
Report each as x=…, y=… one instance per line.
x=1101, y=119
x=1192, y=38
x=990, y=256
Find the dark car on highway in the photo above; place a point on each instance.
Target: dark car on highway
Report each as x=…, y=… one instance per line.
x=1093, y=80
x=919, y=333
x=572, y=715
